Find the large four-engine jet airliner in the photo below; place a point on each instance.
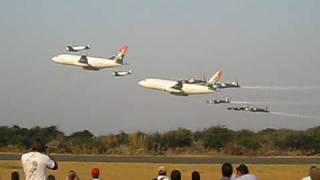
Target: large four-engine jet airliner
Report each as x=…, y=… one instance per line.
x=182, y=87
x=93, y=63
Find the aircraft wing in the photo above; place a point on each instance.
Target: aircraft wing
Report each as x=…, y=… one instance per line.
x=83, y=59
x=178, y=86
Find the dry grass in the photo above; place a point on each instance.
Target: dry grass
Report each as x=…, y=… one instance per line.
x=144, y=171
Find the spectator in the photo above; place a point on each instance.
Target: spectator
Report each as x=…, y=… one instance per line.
x=315, y=173
x=72, y=175
x=51, y=177
x=226, y=170
x=175, y=175
x=195, y=175
x=95, y=173
x=162, y=173
x=15, y=175
x=243, y=173
x=36, y=162
x=308, y=177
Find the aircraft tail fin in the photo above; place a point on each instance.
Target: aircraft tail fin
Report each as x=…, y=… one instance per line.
x=215, y=78
x=118, y=57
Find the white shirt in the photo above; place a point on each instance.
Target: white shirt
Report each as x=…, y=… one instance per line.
x=306, y=178
x=35, y=165
x=160, y=177
x=247, y=177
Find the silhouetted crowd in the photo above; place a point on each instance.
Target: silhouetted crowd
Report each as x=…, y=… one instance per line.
x=242, y=173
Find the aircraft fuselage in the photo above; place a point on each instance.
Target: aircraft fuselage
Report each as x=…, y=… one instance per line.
x=168, y=86
x=75, y=60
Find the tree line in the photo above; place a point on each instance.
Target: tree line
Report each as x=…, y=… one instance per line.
x=216, y=140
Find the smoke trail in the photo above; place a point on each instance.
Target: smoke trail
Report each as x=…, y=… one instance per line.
x=250, y=102
x=295, y=115
x=314, y=88
x=278, y=103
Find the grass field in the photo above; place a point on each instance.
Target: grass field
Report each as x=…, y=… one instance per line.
x=144, y=171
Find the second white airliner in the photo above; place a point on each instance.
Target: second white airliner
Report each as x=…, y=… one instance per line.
x=183, y=87
x=93, y=63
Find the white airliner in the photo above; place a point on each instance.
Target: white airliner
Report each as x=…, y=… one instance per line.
x=182, y=87
x=92, y=63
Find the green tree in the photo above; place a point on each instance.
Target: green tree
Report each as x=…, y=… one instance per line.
x=216, y=137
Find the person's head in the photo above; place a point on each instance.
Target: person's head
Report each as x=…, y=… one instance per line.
x=226, y=169
x=72, y=175
x=37, y=145
x=175, y=175
x=95, y=172
x=315, y=173
x=15, y=175
x=195, y=175
x=311, y=167
x=242, y=170
x=51, y=177
x=162, y=171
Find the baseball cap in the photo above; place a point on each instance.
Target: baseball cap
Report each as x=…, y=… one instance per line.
x=95, y=172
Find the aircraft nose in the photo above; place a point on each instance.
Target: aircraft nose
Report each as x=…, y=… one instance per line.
x=54, y=59
x=142, y=82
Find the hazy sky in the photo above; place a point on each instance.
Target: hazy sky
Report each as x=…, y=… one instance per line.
x=260, y=43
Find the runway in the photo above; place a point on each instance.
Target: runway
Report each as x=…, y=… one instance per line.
x=177, y=159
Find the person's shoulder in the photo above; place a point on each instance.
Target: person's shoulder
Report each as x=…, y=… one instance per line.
x=162, y=178
x=247, y=177
x=225, y=178
x=25, y=155
x=39, y=155
x=306, y=178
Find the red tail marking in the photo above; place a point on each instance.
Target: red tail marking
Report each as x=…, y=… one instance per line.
x=124, y=49
x=218, y=75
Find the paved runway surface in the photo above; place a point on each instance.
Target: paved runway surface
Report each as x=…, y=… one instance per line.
x=176, y=159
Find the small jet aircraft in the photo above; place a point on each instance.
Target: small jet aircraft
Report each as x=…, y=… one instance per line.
x=77, y=48
x=194, y=81
x=182, y=87
x=237, y=108
x=93, y=63
x=233, y=84
x=121, y=73
x=256, y=109
x=249, y=108
x=217, y=84
x=219, y=101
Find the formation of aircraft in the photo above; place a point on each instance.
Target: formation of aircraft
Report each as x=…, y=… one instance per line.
x=186, y=87
x=92, y=63
x=182, y=87
x=77, y=48
x=249, y=108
